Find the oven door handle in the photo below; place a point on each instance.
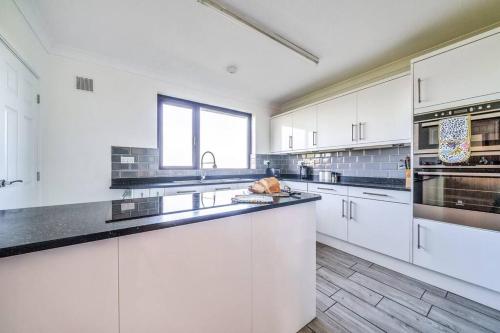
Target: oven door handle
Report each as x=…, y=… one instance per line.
x=460, y=174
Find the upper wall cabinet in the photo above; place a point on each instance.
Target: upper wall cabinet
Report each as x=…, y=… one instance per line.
x=281, y=133
x=304, y=136
x=378, y=114
x=465, y=73
x=337, y=122
x=384, y=112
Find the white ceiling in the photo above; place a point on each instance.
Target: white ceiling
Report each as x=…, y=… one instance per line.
x=184, y=41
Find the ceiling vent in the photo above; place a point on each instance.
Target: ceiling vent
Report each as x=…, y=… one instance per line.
x=83, y=83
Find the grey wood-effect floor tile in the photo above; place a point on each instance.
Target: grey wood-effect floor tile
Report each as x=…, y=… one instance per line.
x=430, y=288
x=323, y=302
x=347, y=257
x=409, y=288
x=455, y=323
x=474, y=305
x=463, y=312
x=418, y=321
x=325, y=286
x=305, y=329
x=363, y=293
x=328, y=251
x=416, y=304
x=372, y=314
x=334, y=265
x=324, y=324
x=350, y=320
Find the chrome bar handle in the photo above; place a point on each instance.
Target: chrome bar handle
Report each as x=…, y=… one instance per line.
x=460, y=174
x=418, y=236
x=350, y=209
x=315, y=138
x=326, y=189
x=186, y=192
x=290, y=142
x=343, y=207
x=419, y=83
x=361, y=134
x=354, y=136
x=376, y=194
x=222, y=188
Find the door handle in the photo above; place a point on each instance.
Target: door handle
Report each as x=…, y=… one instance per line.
x=186, y=192
x=418, y=236
x=290, y=142
x=376, y=194
x=326, y=189
x=361, y=134
x=350, y=210
x=343, y=207
x=4, y=182
x=315, y=140
x=222, y=188
x=419, y=83
x=353, y=132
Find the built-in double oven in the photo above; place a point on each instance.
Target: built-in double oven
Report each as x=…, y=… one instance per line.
x=464, y=193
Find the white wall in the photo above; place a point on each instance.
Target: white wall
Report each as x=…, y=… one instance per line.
x=78, y=128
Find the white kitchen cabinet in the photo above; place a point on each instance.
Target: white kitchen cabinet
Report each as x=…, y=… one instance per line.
x=192, y=278
x=336, y=119
x=284, y=262
x=282, y=133
x=384, y=112
x=67, y=289
x=331, y=212
x=304, y=131
x=380, y=226
x=156, y=192
x=468, y=70
x=463, y=252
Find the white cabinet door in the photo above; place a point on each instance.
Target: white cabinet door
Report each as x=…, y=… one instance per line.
x=304, y=128
x=466, y=253
x=284, y=262
x=336, y=120
x=192, y=278
x=281, y=133
x=468, y=71
x=67, y=289
x=384, y=112
x=380, y=226
x=331, y=215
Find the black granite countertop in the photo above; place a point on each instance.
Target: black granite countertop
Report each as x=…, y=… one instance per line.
x=39, y=228
x=370, y=182
x=163, y=182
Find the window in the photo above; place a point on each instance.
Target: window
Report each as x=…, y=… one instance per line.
x=188, y=129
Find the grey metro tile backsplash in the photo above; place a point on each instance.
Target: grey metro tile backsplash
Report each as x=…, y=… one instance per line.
x=369, y=162
x=146, y=163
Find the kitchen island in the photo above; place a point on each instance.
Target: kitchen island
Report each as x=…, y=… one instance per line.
x=182, y=263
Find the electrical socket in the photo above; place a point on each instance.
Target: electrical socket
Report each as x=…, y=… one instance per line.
x=127, y=206
x=127, y=159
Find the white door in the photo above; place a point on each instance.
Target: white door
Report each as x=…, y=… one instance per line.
x=384, y=112
x=380, y=226
x=337, y=122
x=459, y=251
x=19, y=133
x=331, y=215
x=281, y=133
x=304, y=128
x=465, y=72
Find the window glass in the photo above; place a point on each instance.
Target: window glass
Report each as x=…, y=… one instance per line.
x=177, y=141
x=226, y=136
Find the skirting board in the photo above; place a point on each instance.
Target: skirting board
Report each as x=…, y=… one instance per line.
x=476, y=293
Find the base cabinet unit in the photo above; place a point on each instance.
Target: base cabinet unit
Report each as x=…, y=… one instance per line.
x=331, y=210
x=69, y=289
x=465, y=71
x=380, y=226
x=463, y=252
x=185, y=279
x=284, y=263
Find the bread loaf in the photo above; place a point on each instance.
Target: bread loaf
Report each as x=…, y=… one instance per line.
x=266, y=185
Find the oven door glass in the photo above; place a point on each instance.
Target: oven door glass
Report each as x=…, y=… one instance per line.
x=485, y=133
x=461, y=190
